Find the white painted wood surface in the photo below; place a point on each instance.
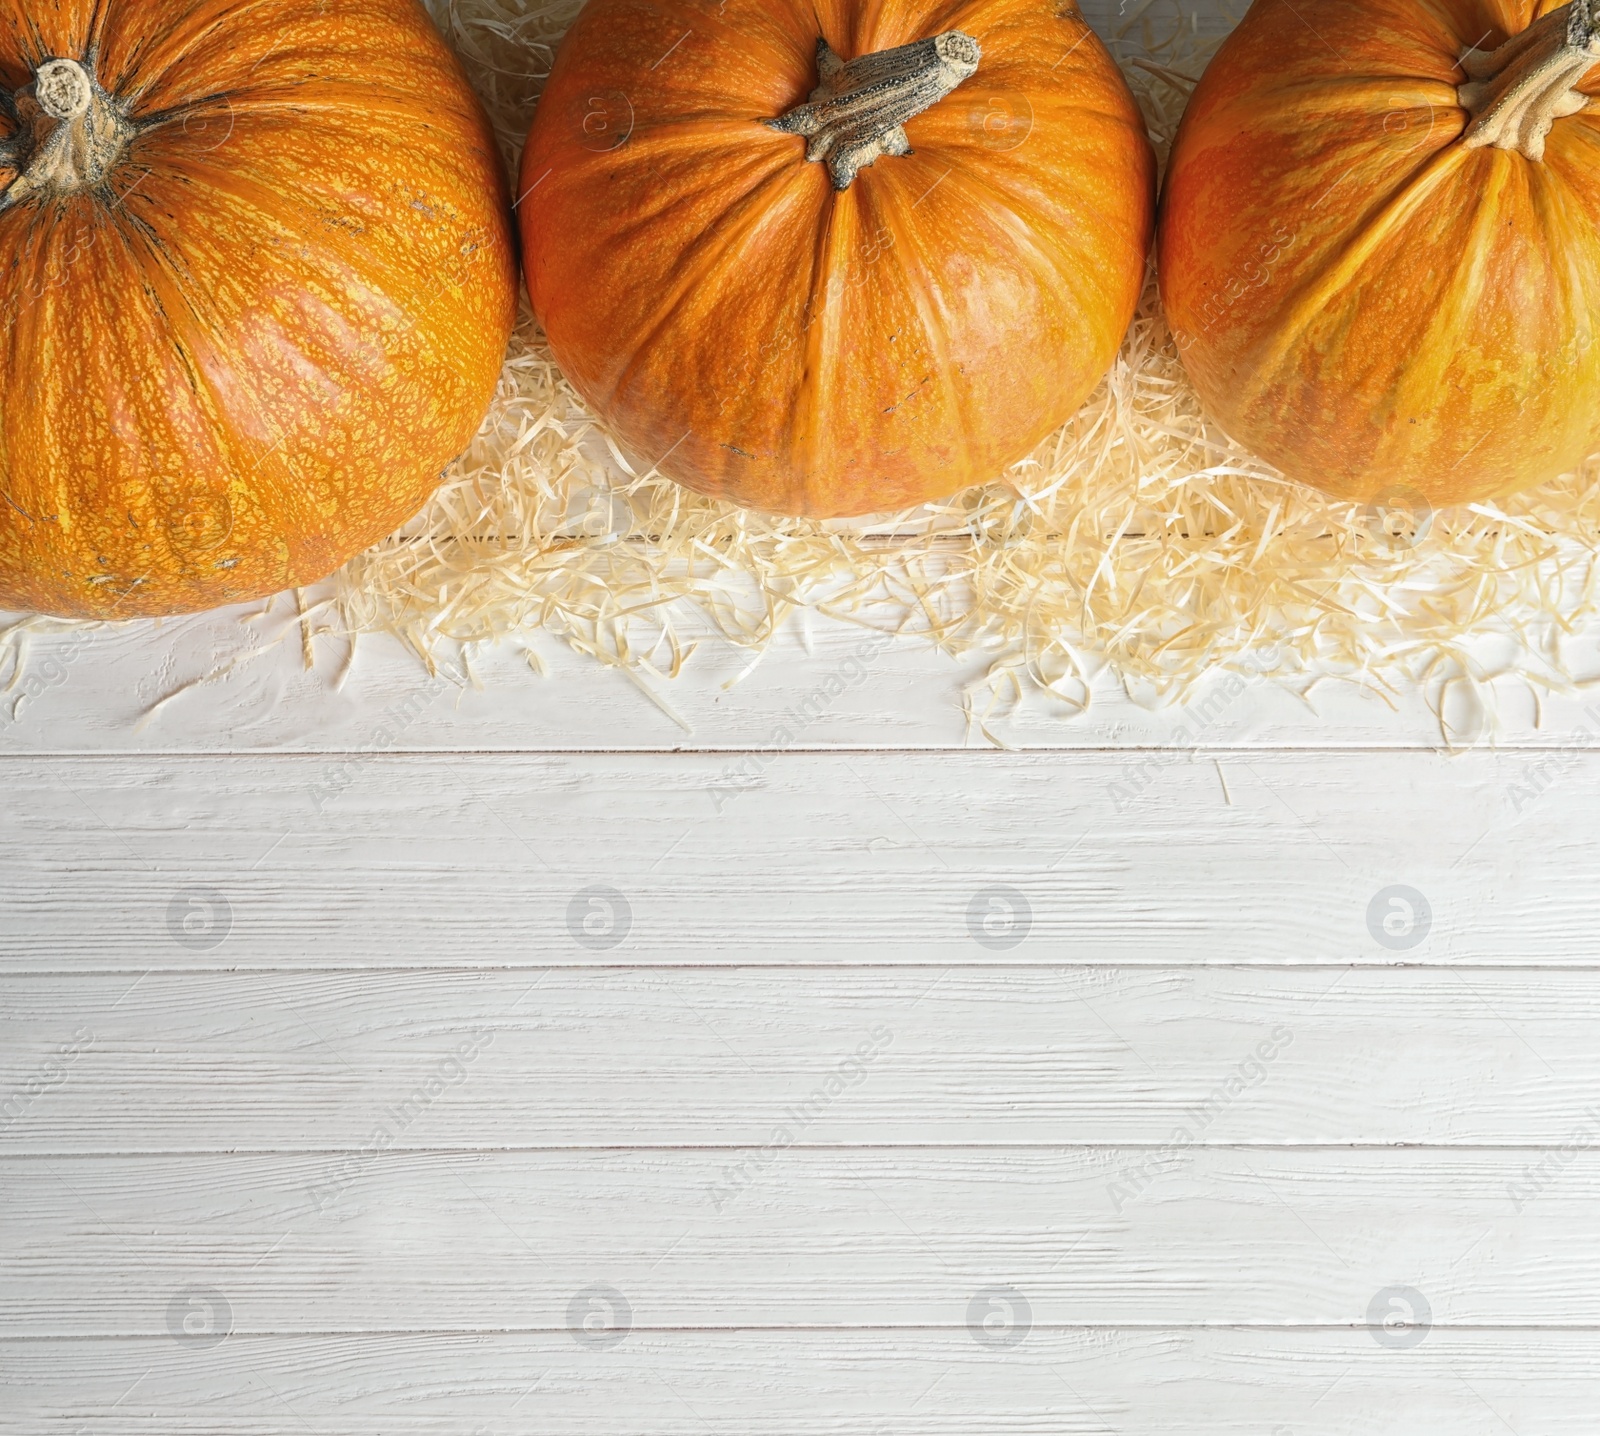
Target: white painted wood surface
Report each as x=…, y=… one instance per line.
x=362, y=1037
x=338, y=1056
x=918, y=1382
x=211, y=684
x=835, y=1237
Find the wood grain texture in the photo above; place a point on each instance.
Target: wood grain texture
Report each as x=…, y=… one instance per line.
x=378, y=860
x=380, y=1240
x=243, y=687
x=218, y=1062
x=941, y=1383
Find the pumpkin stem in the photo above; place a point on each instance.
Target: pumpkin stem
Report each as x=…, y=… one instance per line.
x=72, y=133
x=1516, y=92
x=856, y=113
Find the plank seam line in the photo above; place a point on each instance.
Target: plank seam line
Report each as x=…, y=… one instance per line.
x=644, y=1148
x=1524, y=970
x=981, y=751
x=385, y=1332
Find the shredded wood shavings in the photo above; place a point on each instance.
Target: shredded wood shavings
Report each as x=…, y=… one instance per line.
x=1138, y=537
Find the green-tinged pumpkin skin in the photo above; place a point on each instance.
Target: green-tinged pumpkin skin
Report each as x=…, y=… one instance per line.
x=762, y=335
x=251, y=310
x=1375, y=284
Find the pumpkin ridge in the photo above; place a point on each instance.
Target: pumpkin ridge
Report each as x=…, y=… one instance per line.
x=35, y=245
x=72, y=516
x=226, y=16
x=234, y=191
x=1059, y=237
x=1449, y=21
x=39, y=48
x=159, y=268
x=810, y=415
x=746, y=139
x=690, y=273
x=134, y=59
x=1045, y=247
x=867, y=21
x=1457, y=298
x=1364, y=92
x=329, y=103
x=268, y=475
x=234, y=188
x=969, y=14
x=1562, y=209
x=1298, y=310
x=927, y=294
x=99, y=18
x=789, y=53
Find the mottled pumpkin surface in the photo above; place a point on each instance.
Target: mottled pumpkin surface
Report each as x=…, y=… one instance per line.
x=762, y=337
x=250, y=350
x=1359, y=297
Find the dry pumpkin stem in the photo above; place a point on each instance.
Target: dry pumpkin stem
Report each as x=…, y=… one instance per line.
x=1516, y=92
x=71, y=136
x=856, y=114
x=1137, y=538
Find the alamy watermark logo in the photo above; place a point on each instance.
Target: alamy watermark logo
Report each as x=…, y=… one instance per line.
x=199, y=1316
x=599, y=918
x=999, y=918
x=599, y=1316
x=199, y=919
x=1398, y=517
x=999, y=1318
x=602, y=120
x=1399, y=1317
x=1399, y=918
x=999, y=120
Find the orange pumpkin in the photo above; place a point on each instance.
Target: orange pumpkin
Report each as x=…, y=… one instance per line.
x=834, y=258
x=258, y=283
x=1379, y=246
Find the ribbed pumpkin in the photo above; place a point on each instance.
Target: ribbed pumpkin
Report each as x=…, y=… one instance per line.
x=1379, y=246
x=257, y=284
x=834, y=258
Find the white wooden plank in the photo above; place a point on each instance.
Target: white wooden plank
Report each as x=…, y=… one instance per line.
x=378, y=1240
x=243, y=687
x=297, y=1061
x=940, y=1383
x=372, y=860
